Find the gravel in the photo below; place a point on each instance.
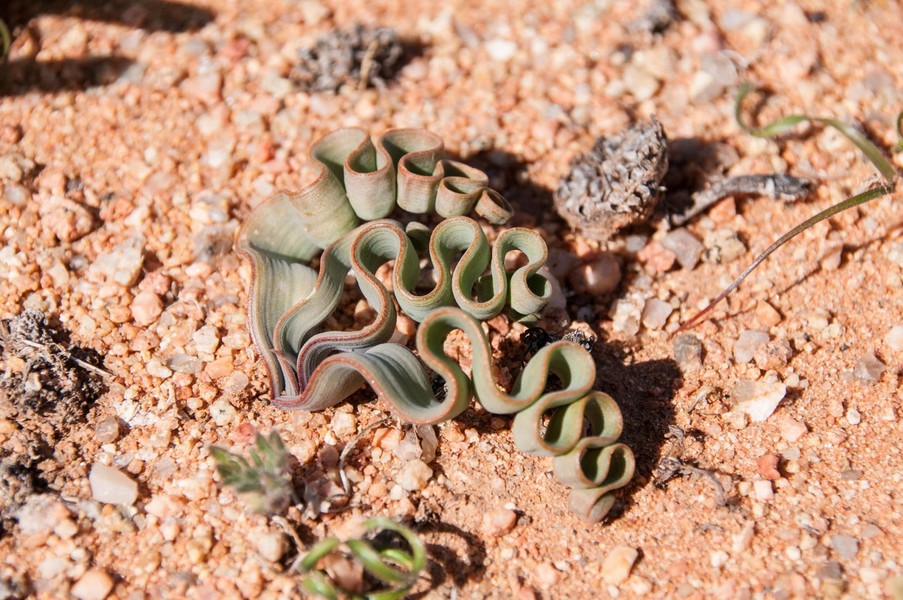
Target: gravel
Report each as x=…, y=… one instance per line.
x=685, y=247
x=748, y=344
x=618, y=563
x=687, y=352
x=868, y=369
x=111, y=486
x=757, y=399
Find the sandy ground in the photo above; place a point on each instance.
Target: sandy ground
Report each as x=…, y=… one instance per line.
x=133, y=144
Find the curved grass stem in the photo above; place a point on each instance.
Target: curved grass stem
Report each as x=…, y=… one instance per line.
x=885, y=168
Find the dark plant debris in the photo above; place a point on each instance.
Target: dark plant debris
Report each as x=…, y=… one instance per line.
x=779, y=186
x=671, y=466
x=658, y=16
x=536, y=338
x=360, y=56
x=43, y=373
x=618, y=183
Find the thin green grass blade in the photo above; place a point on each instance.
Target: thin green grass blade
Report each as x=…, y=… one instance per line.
x=887, y=170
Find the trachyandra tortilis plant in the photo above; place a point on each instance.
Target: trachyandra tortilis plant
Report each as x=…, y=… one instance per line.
x=289, y=300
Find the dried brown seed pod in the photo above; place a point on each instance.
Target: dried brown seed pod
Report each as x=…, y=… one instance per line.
x=618, y=183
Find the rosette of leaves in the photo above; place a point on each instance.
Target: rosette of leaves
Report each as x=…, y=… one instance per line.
x=265, y=481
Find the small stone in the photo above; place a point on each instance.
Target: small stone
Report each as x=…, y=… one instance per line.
x=656, y=313
x=501, y=50
x=95, y=584
x=868, y=369
x=343, y=424
x=198, y=548
x=598, y=277
x=222, y=412
x=768, y=467
x=155, y=368
x=685, y=246
x=414, y=476
x=272, y=546
x=656, y=257
x=206, y=339
x=767, y=313
x=723, y=246
x=146, y=307
x=719, y=558
x=688, y=352
x=121, y=265
x=107, y=430
x=853, y=416
x=547, y=574
x=182, y=363
x=625, y=316
x=773, y=355
x=640, y=82
x=791, y=429
x=112, y=486
x=498, y=522
x=205, y=88
x=894, y=338
x=763, y=490
x=41, y=513
x=758, y=399
x=845, y=545
x=747, y=345
x=617, y=565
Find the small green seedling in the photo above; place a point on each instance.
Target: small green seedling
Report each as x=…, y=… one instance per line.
x=397, y=569
x=887, y=170
x=265, y=481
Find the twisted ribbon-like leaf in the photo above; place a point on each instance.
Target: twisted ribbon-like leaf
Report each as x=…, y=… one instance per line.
x=284, y=332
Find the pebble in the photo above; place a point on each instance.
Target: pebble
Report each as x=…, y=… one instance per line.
x=498, y=522
x=716, y=73
x=894, y=338
x=146, y=307
x=640, y=82
x=766, y=313
x=155, y=368
x=723, y=246
x=222, y=412
x=205, y=88
x=95, y=584
x=107, y=430
x=757, y=399
x=791, y=429
x=768, y=467
x=656, y=257
x=272, y=546
x=763, y=490
x=625, y=316
x=685, y=247
x=40, y=513
x=747, y=345
x=547, y=574
x=111, y=486
x=206, y=339
x=688, y=352
x=656, y=313
x=845, y=545
x=414, y=476
x=617, y=565
x=868, y=369
x=183, y=363
x=343, y=424
x=853, y=417
x=773, y=355
x=598, y=277
x=501, y=50
x=121, y=265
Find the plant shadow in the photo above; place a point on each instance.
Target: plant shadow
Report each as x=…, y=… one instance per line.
x=453, y=553
x=24, y=74
x=151, y=15
x=644, y=392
